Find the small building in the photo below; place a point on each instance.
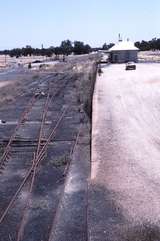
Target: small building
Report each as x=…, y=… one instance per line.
x=123, y=52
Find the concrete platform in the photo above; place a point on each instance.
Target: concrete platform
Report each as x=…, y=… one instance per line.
x=124, y=192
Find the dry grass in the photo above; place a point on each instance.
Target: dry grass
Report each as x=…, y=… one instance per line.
x=59, y=162
x=85, y=87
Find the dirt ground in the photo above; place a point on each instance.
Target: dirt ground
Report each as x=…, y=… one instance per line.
x=16, y=83
x=125, y=177
x=149, y=56
x=11, y=62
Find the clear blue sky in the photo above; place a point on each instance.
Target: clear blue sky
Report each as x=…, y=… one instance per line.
x=33, y=22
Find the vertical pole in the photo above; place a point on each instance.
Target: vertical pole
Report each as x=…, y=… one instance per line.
x=5, y=59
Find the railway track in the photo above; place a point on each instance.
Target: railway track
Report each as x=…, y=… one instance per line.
x=21, y=122
x=39, y=153
x=50, y=237
x=34, y=97
x=5, y=156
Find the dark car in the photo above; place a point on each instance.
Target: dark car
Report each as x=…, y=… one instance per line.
x=130, y=66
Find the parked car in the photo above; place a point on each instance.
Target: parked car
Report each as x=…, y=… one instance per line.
x=130, y=66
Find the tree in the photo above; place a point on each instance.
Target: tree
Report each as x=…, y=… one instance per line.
x=80, y=48
x=66, y=47
x=107, y=46
x=28, y=50
x=15, y=52
x=57, y=51
x=138, y=44
x=87, y=49
x=153, y=44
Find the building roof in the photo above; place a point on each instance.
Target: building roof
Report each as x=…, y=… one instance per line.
x=123, y=45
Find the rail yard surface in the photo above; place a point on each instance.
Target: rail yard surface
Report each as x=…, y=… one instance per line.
x=44, y=144
x=51, y=187
x=124, y=193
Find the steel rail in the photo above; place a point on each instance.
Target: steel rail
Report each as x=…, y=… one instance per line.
x=35, y=162
x=28, y=198
x=51, y=233
x=20, y=122
x=38, y=149
x=39, y=155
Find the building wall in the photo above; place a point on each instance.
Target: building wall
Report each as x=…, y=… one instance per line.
x=124, y=56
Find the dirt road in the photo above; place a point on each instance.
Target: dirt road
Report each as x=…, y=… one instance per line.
x=124, y=194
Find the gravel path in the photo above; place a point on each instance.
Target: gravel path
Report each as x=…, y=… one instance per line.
x=124, y=194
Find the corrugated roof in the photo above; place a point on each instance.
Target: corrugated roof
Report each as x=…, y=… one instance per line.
x=123, y=45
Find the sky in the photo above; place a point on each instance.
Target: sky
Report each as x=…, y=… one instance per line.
x=48, y=22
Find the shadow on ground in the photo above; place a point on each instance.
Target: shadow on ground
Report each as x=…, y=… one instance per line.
x=107, y=222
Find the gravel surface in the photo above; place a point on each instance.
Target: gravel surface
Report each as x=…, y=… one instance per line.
x=124, y=201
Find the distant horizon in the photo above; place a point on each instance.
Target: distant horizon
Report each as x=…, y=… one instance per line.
x=52, y=45
x=49, y=22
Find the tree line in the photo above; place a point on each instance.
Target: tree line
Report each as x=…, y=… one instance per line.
x=153, y=44
x=66, y=47
x=77, y=47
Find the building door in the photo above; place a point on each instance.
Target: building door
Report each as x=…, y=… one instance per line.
x=116, y=58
